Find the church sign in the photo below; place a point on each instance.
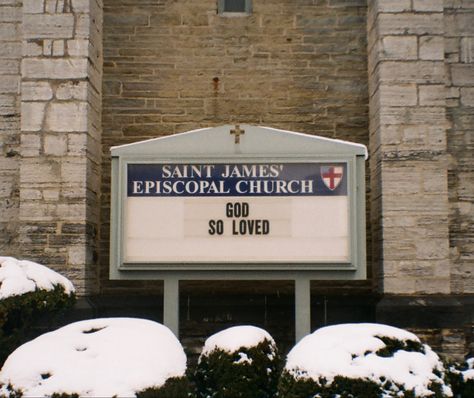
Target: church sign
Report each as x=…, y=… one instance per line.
x=243, y=203
x=217, y=199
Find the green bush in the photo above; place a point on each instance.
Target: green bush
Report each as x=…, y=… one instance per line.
x=362, y=361
x=175, y=387
x=462, y=386
x=19, y=314
x=249, y=372
x=344, y=387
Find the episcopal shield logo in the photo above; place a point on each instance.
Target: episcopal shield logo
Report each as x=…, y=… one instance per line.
x=332, y=176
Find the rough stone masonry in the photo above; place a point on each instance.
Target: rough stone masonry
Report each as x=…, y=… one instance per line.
x=78, y=76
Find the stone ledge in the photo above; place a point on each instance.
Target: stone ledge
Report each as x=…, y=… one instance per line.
x=433, y=311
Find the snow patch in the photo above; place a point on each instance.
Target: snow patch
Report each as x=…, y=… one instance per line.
x=243, y=358
x=350, y=350
x=96, y=358
x=232, y=339
x=18, y=277
x=468, y=374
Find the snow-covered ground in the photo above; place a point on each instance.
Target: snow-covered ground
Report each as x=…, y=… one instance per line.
x=96, y=358
x=22, y=276
x=350, y=350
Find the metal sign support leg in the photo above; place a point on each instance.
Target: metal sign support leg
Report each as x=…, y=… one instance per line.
x=302, y=308
x=171, y=304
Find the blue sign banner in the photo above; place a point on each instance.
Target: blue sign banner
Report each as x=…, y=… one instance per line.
x=236, y=179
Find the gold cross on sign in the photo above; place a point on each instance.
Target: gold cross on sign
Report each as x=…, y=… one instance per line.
x=237, y=131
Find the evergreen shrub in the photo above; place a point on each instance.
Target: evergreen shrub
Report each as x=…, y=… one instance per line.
x=175, y=387
x=247, y=372
x=461, y=378
x=361, y=361
x=19, y=314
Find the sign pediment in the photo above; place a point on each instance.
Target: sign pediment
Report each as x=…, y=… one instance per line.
x=219, y=142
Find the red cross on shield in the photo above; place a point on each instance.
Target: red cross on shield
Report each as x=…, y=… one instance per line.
x=332, y=176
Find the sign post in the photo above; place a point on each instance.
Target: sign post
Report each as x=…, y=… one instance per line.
x=267, y=204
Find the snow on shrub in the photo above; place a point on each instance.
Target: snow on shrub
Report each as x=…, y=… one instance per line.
x=362, y=360
x=28, y=291
x=122, y=357
x=241, y=361
x=461, y=378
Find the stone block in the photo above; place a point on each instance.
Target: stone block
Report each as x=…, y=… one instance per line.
x=77, y=255
x=400, y=47
x=32, y=49
x=432, y=48
x=9, y=84
x=459, y=24
x=73, y=211
x=10, y=50
x=48, y=26
x=8, y=107
x=50, y=195
x=58, y=48
x=36, y=91
x=33, y=6
x=467, y=50
x=37, y=172
x=10, y=14
x=432, y=249
x=398, y=95
x=81, y=6
x=9, y=31
x=428, y=5
x=77, y=144
x=78, y=48
x=393, y=5
x=66, y=117
x=129, y=19
x=411, y=24
x=9, y=66
x=74, y=170
x=72, y=90
x=48, y=48
x=57, y=6
x=399, y=285
x=83, y=26
x=30, y=194
x=432, y=95
x=462, y=75
x=32, y=115
x=412, y=72
x=452, y=93
x=55, y=145
x=467, y=96
x=54, y=68
x=30, y=145
x=432, y=286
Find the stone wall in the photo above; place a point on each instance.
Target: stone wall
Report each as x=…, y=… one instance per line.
x=459, y=50
x=408, y=146
x=60, y=136
x=173, y=66
x=10, y=58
